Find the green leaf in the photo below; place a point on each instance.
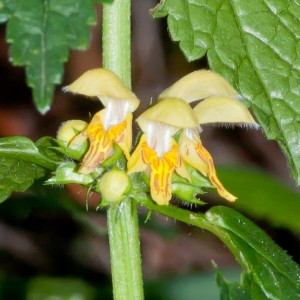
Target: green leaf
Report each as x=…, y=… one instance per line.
x=40, y=33
x=271, y=268
x=17, y=175
x=255, y=45
x=23, y=149
x=261, y=196
x=21, y=162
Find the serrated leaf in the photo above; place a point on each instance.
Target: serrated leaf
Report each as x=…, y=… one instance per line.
x=275, y=273
x=40, y=33
x=17, y=175
x=255, y=45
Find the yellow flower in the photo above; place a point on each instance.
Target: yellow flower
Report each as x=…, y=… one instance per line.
x=113, y=124
x=157, y=152
x=221, y=106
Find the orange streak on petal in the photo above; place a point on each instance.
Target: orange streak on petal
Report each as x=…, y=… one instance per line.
x=138, y=161
x=161, y=171
x=205, y=156
x=189, y=154
x=101, y=141
x=124, y=140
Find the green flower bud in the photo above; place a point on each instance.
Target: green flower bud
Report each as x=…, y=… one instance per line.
x=114, y=185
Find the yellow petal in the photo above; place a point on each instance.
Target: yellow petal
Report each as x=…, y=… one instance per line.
x=124, y=140
x=104, y=84
x=223, y=110
x=206, y=157
x=199, y=85
x=161, y=172
x=161, y=169
x=101, y=141
x=171, y=111
x=182, y=170
x=136, y=161
x=194, y=154
x=188, y=152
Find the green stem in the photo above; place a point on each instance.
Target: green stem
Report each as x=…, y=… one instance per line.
x=123, y=230
x=125, y=251
x=116, y=39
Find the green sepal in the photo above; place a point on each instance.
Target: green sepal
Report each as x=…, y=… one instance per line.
x=247, y=289
x=117, y=161
x=177, y=136
x=46, y=146
x=187, y=190
x=66, y=173
x=76, y=152
x=187, y=193
x=235, y=290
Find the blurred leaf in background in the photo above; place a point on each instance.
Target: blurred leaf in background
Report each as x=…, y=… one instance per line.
x=263, y=197
x=40, y=34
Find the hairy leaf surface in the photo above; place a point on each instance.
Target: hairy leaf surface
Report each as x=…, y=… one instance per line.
x=255, y=45
x=21, y=162
x=40, y=33
x=17, y=175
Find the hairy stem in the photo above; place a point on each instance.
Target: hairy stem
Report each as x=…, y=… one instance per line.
x=122, y=220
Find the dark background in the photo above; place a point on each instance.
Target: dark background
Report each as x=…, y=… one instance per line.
x=49, y=234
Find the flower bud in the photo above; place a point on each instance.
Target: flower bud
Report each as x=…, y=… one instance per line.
x=114, y=185
x=68, y=130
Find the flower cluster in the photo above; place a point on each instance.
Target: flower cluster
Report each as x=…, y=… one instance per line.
x=158, y=153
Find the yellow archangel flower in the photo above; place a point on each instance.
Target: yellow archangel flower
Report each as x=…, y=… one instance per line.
x=157, y=151
x=221, y=106
x=113, y=124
